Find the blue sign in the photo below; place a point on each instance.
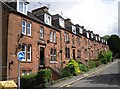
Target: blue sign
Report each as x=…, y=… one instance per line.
x=20, y=55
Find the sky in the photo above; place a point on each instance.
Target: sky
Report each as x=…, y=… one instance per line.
x=99, y=16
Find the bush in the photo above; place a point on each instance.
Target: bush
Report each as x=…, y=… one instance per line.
x=82, y=67
x=28, y=81
x=44, y=75
x=91, y=64
x=98, y=62
x=73, y=67
x=105, y=56
x=66, y=73
x=109, y=56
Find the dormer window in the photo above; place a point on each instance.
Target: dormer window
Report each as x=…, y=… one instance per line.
x=61, y=22
x=87, y=34
x=91, y=35
x=80, y=30
x=47, y=19
x=22, y=6
x=74, y=29
x=96, y=38
x=99, y=38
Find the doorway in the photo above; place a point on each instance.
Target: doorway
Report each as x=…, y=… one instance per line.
x=74, y=54
x=41, y=56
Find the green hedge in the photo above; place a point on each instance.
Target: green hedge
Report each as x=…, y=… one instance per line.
x=28, y=81
x=42, y=77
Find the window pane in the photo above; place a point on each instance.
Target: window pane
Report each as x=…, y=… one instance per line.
x=65, y=36
x=54, y=37
x=51, y=54
x=21, y=6
x=29, y=29
x=29, y=72
x=25, y=7
x=24, y=72
x=29, y=53
x=41, y=32
x=51, y=36
x=54, y=54
x=24, y=27
x=68, y=53
x=24, y=51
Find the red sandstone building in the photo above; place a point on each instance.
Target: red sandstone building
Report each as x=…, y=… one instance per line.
x=46, y=40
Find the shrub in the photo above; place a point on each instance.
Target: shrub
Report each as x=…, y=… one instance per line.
x=66, y=73
x=82, y=67
x=44, y=75
x=98, y=62
x=109, y=56
x=91, y=64
x=105, y=56
x=28, y=81
x=73, y=67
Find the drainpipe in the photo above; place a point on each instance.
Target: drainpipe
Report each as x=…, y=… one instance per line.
x=61, y=50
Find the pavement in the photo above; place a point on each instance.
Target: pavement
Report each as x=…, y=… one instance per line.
x=74, y=79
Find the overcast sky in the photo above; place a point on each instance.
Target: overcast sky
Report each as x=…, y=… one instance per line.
x=99, y=16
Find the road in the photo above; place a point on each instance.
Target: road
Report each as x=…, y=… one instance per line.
x=109, y=78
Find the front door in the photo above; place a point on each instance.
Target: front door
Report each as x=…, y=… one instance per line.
x=41, y=56
x=74, y=54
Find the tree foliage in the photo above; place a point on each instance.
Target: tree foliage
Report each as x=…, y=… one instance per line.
x=114, y=45
x=106, y=37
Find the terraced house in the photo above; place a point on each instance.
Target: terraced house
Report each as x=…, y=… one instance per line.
x=48, y=41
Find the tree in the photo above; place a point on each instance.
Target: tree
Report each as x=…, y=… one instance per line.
x=106, y=37
x=114, y=45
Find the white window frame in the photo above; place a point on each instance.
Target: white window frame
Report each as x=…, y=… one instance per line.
x=24, y=4
x=24, y=73
x=51, y=55
x=87, y=34
x=91, y=35
x=54, y=37
x=74, y=29
x=29, y=28
x=80, y=30
x=24, y=51
x=29, y=72
x=41, y=32
x=24, y=27
x=54, y=55
x=61, y=22
x=46, y=19
x=29, y=52
x=65, y=35
x=51, y=36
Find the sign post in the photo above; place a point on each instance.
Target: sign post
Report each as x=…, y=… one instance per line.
x=20, y=56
